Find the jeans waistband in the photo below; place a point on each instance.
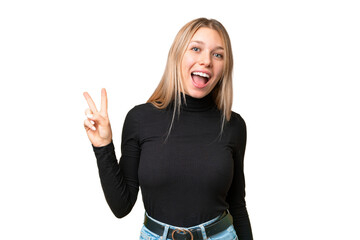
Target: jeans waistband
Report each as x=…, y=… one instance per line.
x=198, y=230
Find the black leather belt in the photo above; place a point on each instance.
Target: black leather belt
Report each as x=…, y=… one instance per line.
x=190, y=234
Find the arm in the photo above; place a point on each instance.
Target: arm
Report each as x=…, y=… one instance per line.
x=120, y=180
x=236, y=194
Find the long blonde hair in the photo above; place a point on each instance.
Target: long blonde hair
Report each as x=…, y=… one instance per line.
x=170, y=87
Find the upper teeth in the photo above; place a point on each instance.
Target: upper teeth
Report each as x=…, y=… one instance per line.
x=201, y=74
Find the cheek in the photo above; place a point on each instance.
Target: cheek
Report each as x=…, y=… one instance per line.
x=188, y=61
x=184, y=65
x=219, y=71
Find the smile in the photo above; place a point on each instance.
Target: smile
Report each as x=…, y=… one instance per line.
x=200, y=79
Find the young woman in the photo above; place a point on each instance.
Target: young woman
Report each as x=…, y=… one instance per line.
x=184, y=147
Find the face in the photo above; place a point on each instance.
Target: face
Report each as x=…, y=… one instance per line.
x=203, y=63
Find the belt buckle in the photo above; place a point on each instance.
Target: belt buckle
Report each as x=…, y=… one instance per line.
x=182, y=231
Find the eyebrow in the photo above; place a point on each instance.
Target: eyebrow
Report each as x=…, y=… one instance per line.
x=201, y=42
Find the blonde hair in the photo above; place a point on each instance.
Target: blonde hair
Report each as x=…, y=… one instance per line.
x=170, y=87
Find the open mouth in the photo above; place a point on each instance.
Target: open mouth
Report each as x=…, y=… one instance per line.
x=200, y=79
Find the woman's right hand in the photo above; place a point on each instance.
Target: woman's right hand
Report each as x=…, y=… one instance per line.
x=97, y=124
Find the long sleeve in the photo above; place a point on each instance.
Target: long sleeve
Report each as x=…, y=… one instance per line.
x=236, y=194
x=120, y=180
x=191, y=178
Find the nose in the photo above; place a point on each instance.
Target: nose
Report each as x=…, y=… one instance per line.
x=205, y=59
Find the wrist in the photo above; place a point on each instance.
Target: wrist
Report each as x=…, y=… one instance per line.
x=102, y=144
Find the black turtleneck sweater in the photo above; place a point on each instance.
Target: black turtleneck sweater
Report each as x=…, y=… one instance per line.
x=191, y=178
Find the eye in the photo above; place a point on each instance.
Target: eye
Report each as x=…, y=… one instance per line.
x=195, y=49
x=217, y=55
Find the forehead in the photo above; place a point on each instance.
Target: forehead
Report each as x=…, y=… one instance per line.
x=208, y=36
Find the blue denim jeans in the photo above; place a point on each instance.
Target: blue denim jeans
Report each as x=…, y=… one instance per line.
x=228, y=234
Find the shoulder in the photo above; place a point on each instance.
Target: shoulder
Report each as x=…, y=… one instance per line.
x=237, y=120
x=236, y=127
x=140, y=108
x=143, y=111
x=134, y=118
x=237, y=130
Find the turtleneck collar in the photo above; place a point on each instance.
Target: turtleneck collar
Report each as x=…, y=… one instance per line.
x=197, y=104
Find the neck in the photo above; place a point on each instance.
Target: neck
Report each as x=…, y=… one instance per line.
x=197, y=104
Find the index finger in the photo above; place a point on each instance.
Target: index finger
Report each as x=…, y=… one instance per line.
x=90, y=102
x=104, y=102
